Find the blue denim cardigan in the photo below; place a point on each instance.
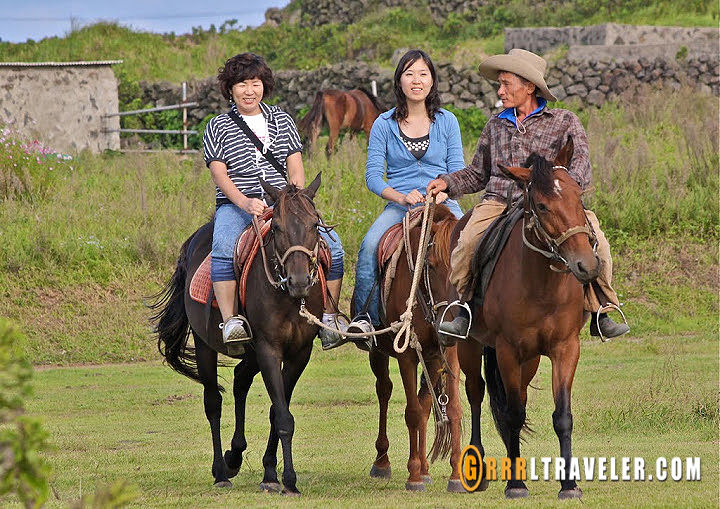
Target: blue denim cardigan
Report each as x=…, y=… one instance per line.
x=404, y=172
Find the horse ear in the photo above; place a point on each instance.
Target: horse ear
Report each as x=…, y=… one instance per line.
x=566, y=152
x=314, y=185
x=270, y=190
x=517, y=173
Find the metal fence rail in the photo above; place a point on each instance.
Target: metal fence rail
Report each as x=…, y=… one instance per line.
x=184, y=105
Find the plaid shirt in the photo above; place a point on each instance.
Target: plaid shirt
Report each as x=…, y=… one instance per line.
x=500, y=142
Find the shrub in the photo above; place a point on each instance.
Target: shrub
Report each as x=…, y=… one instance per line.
x=22, y=471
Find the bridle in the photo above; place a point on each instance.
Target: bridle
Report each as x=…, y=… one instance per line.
x=279, y=278
x=531, y=222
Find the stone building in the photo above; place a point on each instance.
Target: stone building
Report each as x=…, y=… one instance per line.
x=63, y=104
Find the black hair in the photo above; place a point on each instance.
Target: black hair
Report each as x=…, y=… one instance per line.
x=432, y=101
x=245, y=66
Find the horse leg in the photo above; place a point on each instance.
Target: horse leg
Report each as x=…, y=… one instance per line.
x=514, y=418
x=280, y=383
x=563, y=371
x=207, y=371
x=425, y=400
x=379, y=363
x=408, y=372
x=244, y=374
x=334, y=132
x=454, y=413
x=470, y=360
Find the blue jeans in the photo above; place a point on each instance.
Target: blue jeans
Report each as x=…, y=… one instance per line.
x=230, y=221
x=366, y=271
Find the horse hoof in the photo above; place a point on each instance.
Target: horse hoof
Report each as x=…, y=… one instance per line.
x=270, y=487
x=380, y=473
x=231, y=471
x=414, y=486
x=455, y=486
x=427, y=479
x=573, y=494
x=222, y=484
x=290, y=493
x=516, y=493
x=484, y=483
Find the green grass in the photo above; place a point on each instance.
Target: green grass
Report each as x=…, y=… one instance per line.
x=640, y=396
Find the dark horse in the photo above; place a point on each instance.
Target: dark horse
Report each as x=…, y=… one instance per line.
x=282, y=340
x=533, y=306
x=432, y=289
x=355, y=109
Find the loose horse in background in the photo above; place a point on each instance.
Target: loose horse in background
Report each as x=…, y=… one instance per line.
x=431, y=291
x=355, y=109
x=533, y=306
x=282, y=340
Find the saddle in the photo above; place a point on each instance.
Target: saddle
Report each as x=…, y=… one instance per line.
x=389, y=249
x=246, y=248
x=489, y=248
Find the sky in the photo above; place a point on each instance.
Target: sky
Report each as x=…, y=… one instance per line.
x=21, y=20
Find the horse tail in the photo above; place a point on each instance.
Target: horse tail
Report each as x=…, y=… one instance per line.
x=374, y=100
x=498, y=397
x=312, y=121
x=171, y=322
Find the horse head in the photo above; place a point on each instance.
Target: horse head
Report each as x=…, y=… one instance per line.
x=295, y=235
x=554, y=213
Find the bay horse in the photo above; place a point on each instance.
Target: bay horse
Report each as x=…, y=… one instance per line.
x=282, y=340
x=533, y=306
x=433, y=288
x=354, y=109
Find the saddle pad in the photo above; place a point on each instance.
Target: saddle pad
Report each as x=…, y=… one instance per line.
x=200, y=285
x=489, y=248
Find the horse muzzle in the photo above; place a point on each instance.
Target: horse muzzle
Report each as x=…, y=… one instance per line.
x=586, y=269
x=299, y=284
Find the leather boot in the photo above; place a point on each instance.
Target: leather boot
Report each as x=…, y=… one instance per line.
x=608, y=327
x=457, y=327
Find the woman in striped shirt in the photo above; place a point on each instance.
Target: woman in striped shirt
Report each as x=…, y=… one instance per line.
x=236, y=165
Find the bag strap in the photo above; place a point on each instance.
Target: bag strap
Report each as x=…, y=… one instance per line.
x=256, y=141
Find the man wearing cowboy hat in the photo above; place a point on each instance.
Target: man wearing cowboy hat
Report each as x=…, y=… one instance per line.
x=525, y=126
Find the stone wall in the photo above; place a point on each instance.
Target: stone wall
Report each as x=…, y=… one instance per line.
x=544, y=39
x=589, y=82
x=61, y=104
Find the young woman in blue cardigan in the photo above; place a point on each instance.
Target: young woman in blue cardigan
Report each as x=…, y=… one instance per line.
x=410, y=145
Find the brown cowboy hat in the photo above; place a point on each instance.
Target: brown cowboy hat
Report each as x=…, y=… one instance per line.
x=524, y=63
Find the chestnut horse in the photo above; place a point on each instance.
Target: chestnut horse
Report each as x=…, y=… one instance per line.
x=282, y=340
x=432, y=290
x=533, y=306
x=355, y=109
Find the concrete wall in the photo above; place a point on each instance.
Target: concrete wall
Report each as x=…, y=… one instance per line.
x=61, y=105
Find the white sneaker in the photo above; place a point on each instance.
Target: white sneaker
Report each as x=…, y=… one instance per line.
x=234, y=330
x=360, y=326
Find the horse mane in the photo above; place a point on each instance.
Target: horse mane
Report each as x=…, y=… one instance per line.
x=376, y=102
x=542, y=173
x=446, y=222
x=290, y=192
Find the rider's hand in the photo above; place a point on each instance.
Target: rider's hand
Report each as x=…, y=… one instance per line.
x=441, y=197
x=253, y=206
x=414, y=197
x=437, y=186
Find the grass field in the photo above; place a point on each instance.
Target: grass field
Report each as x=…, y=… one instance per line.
x=648, y=397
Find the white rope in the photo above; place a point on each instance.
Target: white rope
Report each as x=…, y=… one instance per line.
x=406, y=317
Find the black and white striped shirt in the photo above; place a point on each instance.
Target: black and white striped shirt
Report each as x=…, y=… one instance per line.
x=224, y=141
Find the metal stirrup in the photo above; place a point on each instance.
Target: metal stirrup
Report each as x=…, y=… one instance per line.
x=442, y=319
